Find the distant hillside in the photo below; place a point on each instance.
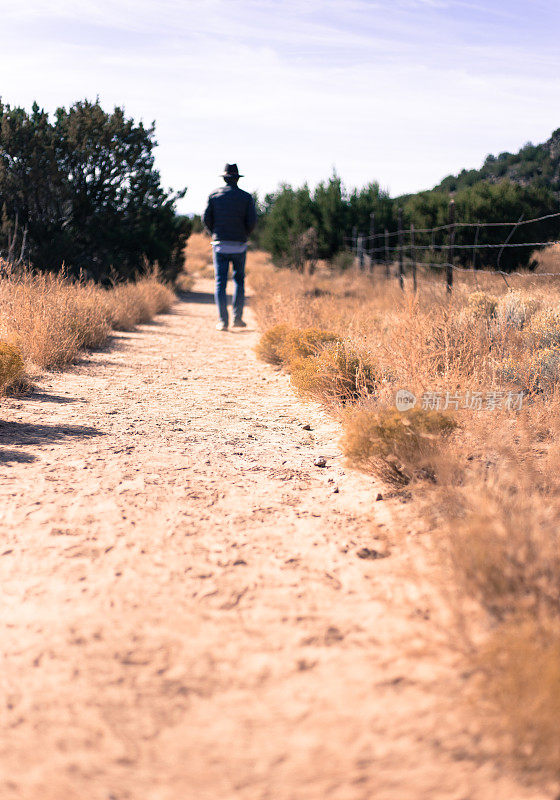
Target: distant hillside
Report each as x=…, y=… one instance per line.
x=534, y=165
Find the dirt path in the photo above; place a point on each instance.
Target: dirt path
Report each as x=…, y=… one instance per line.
x=184, y=614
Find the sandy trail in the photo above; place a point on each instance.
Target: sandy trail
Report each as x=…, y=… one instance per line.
x=184, y=614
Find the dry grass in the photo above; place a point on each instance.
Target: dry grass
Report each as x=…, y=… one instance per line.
x=321, y=363
x=338, y=373
x=282, y=344
x=394, y=445
x=488, y=475
x=49, y=319
x=12, y=368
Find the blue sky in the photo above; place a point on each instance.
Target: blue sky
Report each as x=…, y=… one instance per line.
x=399, y=91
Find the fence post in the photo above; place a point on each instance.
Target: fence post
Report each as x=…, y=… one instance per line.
x=413, y=256
x=387, y=263
x=371, y=240
x=401, y=264
x=451, y=247
x=507, y=240
x=360, y=248
x=475, y=248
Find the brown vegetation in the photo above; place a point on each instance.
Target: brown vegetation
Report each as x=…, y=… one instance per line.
x=482, y=461
x=46, y=319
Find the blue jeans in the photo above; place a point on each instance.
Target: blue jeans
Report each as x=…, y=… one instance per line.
x=221, y=268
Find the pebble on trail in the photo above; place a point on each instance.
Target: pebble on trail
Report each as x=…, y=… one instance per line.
x=320, y=461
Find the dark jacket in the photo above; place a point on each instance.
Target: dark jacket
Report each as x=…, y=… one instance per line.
x=230, y=215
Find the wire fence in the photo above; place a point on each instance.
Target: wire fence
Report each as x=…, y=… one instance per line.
x=467, y=247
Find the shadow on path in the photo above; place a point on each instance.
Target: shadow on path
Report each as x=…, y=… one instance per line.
x=48, y=398
x=28, y=433
x=206, y=298
x=16, y=455
x=199, y=297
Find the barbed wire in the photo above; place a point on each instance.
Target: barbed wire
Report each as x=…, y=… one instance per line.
x=382, y=249
x=461, y=246
x=479, y=272
x=446, y=227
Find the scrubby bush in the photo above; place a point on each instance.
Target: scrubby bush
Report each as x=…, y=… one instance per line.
x=538, y=372
x=391, y=444
x=515, y=308
x=283, y=344
x=11, y=367
x=482, y=305
x=271, y=344
x=544, y=328
x=336, y=373
x=543, y=369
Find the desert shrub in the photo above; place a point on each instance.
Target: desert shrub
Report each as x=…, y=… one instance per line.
x=391, y=444
x=542, y=369
x=11, y=367
x=506, y=550
x=50, y=319
x=336, y=373
x=544, y=328
x=481, y=305
x=538, y=372
x=271, y=344
x=515, y=308
x=520, y=669
x=184, y=282
x=283, y=344
x=306, y=342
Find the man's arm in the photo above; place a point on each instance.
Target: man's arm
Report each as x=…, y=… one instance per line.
x=250, y=216
x=208, y=217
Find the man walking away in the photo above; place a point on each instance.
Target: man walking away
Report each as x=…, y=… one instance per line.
x=230, y=217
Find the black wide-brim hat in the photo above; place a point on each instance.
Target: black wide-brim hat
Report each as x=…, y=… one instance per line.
x=231, y=171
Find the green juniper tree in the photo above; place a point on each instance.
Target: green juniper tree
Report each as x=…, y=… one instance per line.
x=85, y=190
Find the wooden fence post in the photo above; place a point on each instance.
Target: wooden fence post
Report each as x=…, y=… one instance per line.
x=401, y=263
x=413, y=256
x=371, y=240
x=360, y=248
x=451, y=247
x=387, y=262
x=475, y=248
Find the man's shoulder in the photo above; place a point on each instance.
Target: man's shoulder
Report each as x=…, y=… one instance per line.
x=244, y=194
x=231, y=190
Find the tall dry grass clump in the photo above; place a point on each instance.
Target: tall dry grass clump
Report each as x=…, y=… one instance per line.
x=480, y=451
x=394, y=445
x=12, y=368
x=48, y=318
